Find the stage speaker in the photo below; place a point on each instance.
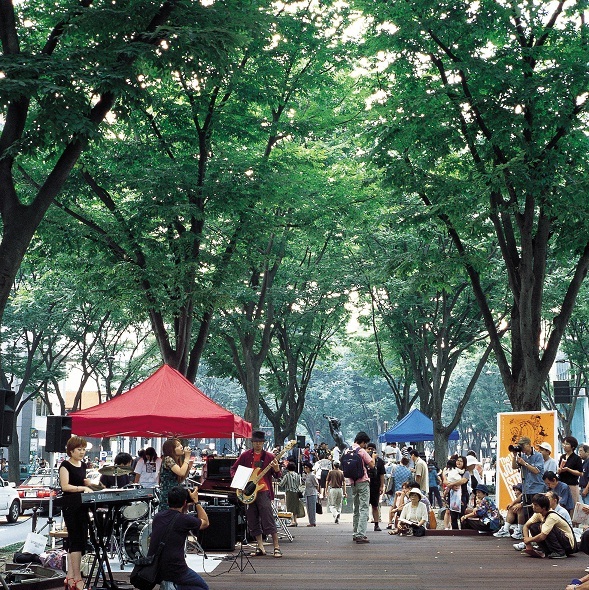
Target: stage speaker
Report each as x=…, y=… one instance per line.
x=7, y=415
x=59, y=431
x=301, y=442
x=563, y=393
x=220, y=534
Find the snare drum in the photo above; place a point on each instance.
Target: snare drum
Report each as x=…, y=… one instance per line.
x=136, y=539
x=135, y=511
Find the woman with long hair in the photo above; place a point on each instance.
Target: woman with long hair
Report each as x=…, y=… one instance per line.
x=73, y=482
x=176, y=465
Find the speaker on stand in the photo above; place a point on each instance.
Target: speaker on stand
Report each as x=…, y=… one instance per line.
x=7, y=415
x=59, y=431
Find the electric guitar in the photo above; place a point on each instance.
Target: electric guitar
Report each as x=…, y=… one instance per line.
x=252, y=487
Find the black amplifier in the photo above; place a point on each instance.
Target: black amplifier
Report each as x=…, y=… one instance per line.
x=221, y=532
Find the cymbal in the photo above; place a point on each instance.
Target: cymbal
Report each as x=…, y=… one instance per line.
x=115, y=470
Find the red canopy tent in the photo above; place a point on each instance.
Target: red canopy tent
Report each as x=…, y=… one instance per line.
x=165, y=404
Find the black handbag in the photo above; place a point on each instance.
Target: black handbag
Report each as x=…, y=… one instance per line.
x=318, y=508
x=145, y=573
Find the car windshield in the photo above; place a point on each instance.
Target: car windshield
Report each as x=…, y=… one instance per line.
x=38, y=480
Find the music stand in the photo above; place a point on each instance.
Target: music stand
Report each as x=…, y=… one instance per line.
x=241, y=559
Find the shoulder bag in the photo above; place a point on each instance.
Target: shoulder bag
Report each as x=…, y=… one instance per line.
x=144, y=574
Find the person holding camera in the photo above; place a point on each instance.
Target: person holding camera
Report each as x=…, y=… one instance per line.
x=173, y=566
x=531, y=466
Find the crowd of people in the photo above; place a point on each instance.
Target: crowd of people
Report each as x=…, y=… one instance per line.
x=539, y=517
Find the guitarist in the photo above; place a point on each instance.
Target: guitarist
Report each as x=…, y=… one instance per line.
x=259, y=514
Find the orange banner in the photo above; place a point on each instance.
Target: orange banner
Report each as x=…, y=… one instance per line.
x=538, y=427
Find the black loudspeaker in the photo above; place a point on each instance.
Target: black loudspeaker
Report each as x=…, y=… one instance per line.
x=301, y=442
x=562, y=392
x=7, y=414
x=220, y=534
x=59, y=431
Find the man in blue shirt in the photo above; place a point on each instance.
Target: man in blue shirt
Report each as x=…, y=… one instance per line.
x=531, y=466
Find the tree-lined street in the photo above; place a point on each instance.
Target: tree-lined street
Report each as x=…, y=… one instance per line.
x=308, y=205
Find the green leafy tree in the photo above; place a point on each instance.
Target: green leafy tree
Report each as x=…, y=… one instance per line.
x=52, y=322
x=482, y=118
x=424, y=310
x=63, y=69
x=310, y=311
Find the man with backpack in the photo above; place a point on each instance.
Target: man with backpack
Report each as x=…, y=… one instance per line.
x=354, y=462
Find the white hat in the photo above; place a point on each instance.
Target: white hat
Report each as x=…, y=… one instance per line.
x=416, y=491
x=470, y=460
x=546, y=445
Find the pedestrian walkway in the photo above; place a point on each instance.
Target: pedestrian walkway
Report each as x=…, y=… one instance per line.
x=325, y=557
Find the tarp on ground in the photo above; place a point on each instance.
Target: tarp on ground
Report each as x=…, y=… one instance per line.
x=165, y=404
x=414, y=427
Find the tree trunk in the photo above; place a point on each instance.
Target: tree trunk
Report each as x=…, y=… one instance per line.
x=14, y=457
x=252, y=392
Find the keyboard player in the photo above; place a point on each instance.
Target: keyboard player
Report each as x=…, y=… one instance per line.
x=73, y=482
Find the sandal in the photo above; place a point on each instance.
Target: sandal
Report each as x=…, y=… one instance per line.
x=277, y=552
x=394, y=532
x=389, y=526
x=258, y=553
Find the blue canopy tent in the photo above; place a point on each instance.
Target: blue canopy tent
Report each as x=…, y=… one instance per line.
x=414, y=427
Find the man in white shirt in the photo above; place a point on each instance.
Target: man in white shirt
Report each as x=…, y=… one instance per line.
x=420, y=472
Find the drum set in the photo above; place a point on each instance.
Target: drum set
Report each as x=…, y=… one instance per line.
x=132, y=523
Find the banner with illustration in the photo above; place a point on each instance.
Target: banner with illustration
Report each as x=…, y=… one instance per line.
x=538, y=427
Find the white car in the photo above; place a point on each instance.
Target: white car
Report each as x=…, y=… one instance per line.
x=10, y=503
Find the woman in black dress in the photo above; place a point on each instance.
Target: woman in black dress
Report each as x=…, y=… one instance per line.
x=72, y=478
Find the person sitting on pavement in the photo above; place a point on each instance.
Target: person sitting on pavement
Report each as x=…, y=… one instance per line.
x=563, y=491
x=550, y=531
x=401, y=473
x=401, y=498
x=413, y=516
x=424, y=499
x=484, y=517
x=581, y=584
x=514, y=512
x=554, y=505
